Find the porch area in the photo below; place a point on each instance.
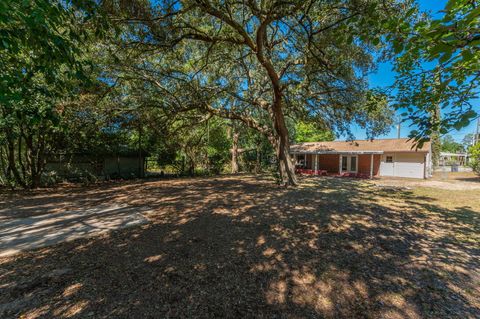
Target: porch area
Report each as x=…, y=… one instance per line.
x=341, y=164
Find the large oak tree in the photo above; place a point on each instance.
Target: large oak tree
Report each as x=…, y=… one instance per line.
x=259, y=62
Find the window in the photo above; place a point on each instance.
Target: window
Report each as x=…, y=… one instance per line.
x=344, y=163
x=349, y=163
x=301, y=160
x=353, y=164
x=389, y=159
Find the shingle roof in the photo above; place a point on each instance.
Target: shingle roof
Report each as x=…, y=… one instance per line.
x=360, y=146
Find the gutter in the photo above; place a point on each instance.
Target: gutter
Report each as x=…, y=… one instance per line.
x=335, y=152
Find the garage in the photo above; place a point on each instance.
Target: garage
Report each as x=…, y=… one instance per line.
x=410, y=165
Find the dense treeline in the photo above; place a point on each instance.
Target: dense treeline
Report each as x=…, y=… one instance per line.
x=219, y=86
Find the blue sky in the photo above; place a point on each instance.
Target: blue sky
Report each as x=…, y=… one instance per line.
x=384, y=77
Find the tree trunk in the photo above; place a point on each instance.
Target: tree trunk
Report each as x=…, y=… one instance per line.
x=435, y=126
x=436, y=147
x=191, y=167
x=281, y=145
x=435, y=136
x=40, y=164
x=140, y=159
x=235, y=136
x=257, y=163
x=36, y=179
x=183, y=165
x=12, y=165
x=6, y=172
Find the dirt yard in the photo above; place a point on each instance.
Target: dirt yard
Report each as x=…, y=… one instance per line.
x=241, y=247
x=442, y=180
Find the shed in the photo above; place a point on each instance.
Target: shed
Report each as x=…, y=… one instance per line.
x=108, y=165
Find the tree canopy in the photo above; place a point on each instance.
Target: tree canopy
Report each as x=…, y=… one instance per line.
x=262, y=62
x=41, y=62
x=192, y=80
x=450, y=145
x=439, y=67
x=307, y=132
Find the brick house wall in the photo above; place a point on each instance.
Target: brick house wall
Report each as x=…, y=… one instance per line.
x=310, y=158
x=328, y=162
x=364, y=164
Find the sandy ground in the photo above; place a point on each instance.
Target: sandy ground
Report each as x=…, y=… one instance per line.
x=241, y=247
x=26, y=233
x=452, y=181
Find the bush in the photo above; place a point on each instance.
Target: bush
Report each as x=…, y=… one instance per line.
x=217, y=163
x=50, y=178
x=474, y=153
x=88, y=178
x=475, y=165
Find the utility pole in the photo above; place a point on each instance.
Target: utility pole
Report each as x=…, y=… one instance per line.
x=398, y=123
x=477, y=132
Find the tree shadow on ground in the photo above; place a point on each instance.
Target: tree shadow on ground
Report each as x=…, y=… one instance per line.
x=230, y=247
x=473, y=179
x=457, y=176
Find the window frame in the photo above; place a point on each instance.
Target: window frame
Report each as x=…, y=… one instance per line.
x=348, y=163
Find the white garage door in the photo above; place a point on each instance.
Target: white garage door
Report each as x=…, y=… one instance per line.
x=409, y=165
x=404, y=165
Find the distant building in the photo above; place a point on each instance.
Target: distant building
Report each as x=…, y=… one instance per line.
x=125, y=164
x=447, y=159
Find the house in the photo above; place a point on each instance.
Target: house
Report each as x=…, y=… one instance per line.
x=106, y=165
x=453, y=162
x=447, y=159
x=364, y=158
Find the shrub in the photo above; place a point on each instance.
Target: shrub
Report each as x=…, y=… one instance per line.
x=50, y=178
x=474, y=153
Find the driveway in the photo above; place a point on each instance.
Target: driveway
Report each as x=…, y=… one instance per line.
x=25, y=233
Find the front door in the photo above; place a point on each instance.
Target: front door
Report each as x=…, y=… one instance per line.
x=349, y=163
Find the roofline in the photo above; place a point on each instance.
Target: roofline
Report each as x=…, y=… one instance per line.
x=453, y=154
x=352, y=141
x=355, y=152
x=337, y=152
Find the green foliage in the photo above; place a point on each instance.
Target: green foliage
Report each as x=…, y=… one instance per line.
x=449, y=145
x=40, y=42
x=474, y=153
x=41, y=45
x=261, y=66
x=375, y=114
x=165, y=79
x=192, y=142
x=307, y=132
x=218, y=145
x=438, y=65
